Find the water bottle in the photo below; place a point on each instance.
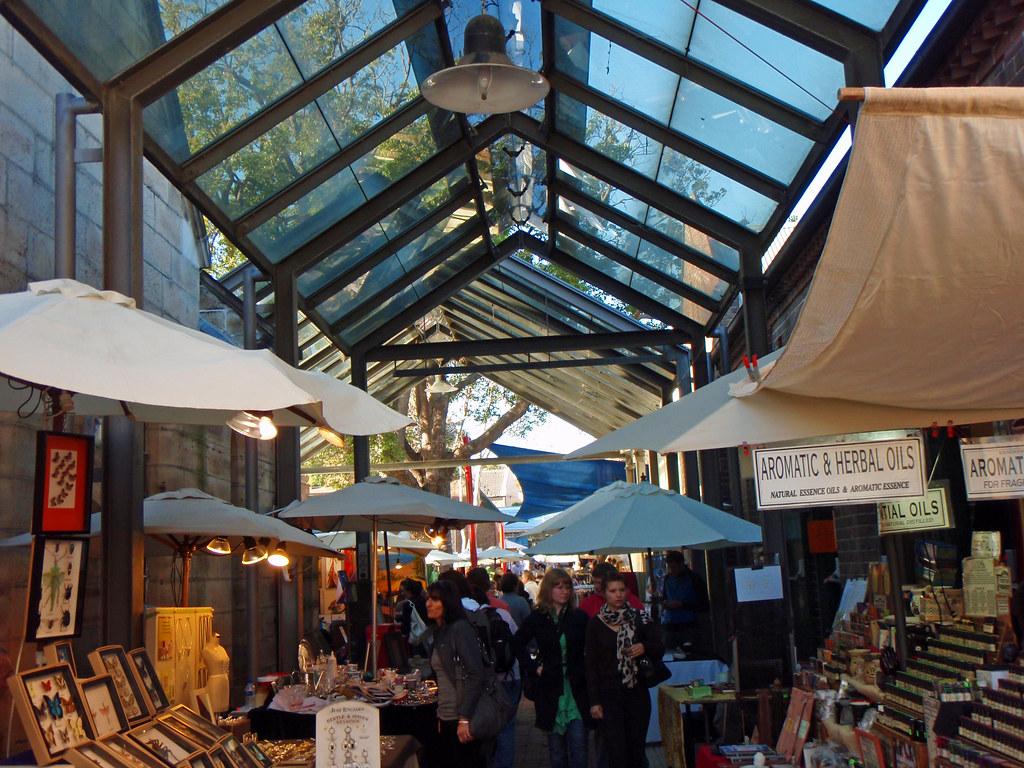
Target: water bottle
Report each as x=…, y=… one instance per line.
x=250, y=695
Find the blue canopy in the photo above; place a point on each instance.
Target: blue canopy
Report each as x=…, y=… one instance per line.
x=553, y=486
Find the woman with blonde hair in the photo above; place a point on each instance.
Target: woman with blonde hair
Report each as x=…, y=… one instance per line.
x=550, y=644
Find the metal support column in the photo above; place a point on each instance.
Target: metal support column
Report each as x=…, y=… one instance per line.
x=755, y=308
x=123, y=553
x=360, y=616
x=252, y=496
x=286, y=468
x=65, y=118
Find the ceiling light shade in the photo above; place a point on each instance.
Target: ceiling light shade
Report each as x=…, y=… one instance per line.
x=254, y=552
x=279, y=557
x=218, y=546
x=331, y=437
x=485, y=81
x=255, y=424
x=439, y=386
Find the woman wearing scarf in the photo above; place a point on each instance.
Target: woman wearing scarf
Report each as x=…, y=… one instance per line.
x=556, y=630
x=616, y=639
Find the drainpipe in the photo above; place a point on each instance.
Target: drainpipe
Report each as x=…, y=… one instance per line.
x=65, y=114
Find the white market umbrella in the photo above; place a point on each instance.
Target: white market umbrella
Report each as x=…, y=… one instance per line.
x=383, y=502
x=500, y=553
x=347, y=540
x=115, y=358
x=633, y=517
x=436, y=557
x=188, y=519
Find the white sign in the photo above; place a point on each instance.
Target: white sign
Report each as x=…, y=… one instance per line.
x=753, y=584
x=839, y=473
x=994, y=470
x=925, y=513
x=348, y=734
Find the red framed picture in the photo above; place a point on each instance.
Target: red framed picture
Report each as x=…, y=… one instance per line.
x=63, y=498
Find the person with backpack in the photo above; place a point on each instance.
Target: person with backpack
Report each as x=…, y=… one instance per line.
x=459, y=666
x=550, y=644
x=413, y=620
x=501, y=629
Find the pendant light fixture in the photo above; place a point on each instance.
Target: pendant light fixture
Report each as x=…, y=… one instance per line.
x=218, y=546
x=279, y=557
x=439, y=386
x=254, y=552
x=485, y=81
x=255, y=424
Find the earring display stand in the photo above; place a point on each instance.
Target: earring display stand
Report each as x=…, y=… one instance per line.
x=348, y=736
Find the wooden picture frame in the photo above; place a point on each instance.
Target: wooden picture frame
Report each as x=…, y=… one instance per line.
x=52, y=710
x=198, y=738
x=56, y=588
x=63, y=487
x=61, y=652
x=202, y=760
x=194, y=722
x=204, y=705
x=166, y=743
x=237, y=754
x=94, y=754
x=872, y=751
x=144, y=670
x=130, y=752
x=220, y=758
x=257, y=752
x=112, y=660
x=104, y=705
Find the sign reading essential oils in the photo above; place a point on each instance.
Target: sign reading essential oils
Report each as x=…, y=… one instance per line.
x=925, y=513
x=994, y=470
x=839, y=473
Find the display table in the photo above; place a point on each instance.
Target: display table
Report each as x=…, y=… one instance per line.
x=671, y=703
x=686, y=671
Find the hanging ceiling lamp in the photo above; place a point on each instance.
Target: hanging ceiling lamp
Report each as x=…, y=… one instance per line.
x=219, y=545
x=279, y=557
x=485, y=81
x=254, y=552
x=256, y=424
x=439, y=386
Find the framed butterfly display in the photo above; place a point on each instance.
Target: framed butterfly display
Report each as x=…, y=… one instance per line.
x=112, y=660
x=104, y=705
x=52, y=710
x=130, y=752
x=63, y=492
x=56, y=588
x=60, y=652
x=143, y=666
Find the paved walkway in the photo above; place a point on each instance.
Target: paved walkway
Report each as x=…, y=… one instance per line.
x=532, y=745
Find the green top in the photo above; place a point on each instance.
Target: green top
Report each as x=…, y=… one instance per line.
x=567, y=709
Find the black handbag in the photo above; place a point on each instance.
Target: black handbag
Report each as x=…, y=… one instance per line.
x=493, y=709
x=651, y=672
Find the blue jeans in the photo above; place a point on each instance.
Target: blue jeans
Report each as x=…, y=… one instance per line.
x=505, y=742
x=569, y=750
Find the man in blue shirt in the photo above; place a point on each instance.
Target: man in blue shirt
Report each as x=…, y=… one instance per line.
x=684, y=595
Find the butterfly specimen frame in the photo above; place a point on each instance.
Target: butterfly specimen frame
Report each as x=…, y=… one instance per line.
x=57, y=588
x=166, y=743
x=96, y=755
x=104, y=705
x=196, y=727
x=112, y=660
x=131, y=753
x=63, y=490
x=61, y=652
x=52, y=710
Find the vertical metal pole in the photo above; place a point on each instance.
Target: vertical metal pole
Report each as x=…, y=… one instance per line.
x=363, y=610
x=286, y=465
x=65, y=117
x=123, y=551
x=252, y=493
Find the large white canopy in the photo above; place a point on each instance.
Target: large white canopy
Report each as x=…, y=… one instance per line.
x=916, y=299
x=396, y=542
x=99, y=346
x=633, y=517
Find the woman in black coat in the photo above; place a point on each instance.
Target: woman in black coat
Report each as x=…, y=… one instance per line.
x=550, y=644
x=619, y=700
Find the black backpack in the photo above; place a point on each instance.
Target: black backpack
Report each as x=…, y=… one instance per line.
x=496, y=641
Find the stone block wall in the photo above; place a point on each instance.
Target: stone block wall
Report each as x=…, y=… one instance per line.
x=176, y=457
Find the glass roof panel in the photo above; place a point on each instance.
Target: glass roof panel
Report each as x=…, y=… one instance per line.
x=611, y=268
x=740, y=47
x=218, y=98
x=672, y=266
x=661, y=19
x=676, y=171
x=873, y=14
x=270, y=163
x=345, y=191
x=715, y=190
x=118, y=34
x=514, y=174
x=669, y=226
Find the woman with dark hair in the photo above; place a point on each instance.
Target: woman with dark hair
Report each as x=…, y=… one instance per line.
x=555, y=672
x=457, y=662
x=616, y=639
x=414, y=602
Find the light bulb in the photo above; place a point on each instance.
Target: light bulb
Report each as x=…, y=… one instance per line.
x=484, y=82
x=267, y=429
x=279, y=557
x=255, y=424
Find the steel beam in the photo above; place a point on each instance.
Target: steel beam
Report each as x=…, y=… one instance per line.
x=695, y=150
x=196, y=48
x=392, y=247
x=644, y=232
x=66, y=111
x=252, y=489
x=468, y=232
x=527, y=365
x=674, y=61
x=450, y=350
x=636, y=265
x=644, y=189
x=232, y=302
x=123, y=551
x=330, y=167
x=405, y=189
x=287, y=105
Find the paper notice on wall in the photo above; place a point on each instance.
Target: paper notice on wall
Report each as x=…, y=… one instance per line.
x=754, y=584
x=980, y=587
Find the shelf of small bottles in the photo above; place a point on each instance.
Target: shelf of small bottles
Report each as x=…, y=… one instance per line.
x=932, y=671
x=893, y=694
x=958, y=668
x=954, y=753
x=992, y=739
x=901, y=721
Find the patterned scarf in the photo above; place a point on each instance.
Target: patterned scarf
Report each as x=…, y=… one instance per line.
x=625, y=618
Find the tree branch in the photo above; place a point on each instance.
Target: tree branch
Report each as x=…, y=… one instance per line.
x=410, y=453
x=493, y=432
x=466, y=383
